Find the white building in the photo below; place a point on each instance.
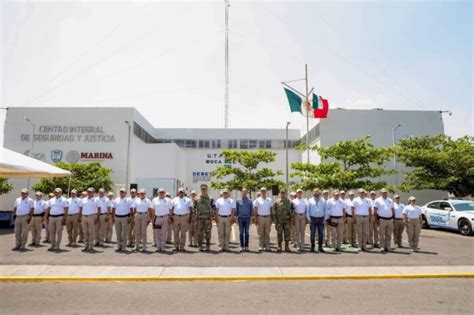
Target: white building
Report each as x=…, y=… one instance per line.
x=171, y=158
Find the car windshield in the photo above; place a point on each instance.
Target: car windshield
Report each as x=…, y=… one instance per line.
x=463, y=205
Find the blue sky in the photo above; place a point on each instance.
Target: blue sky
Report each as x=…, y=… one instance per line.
x=167, y=58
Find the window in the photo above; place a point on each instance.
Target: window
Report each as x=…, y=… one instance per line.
x=265, y=144
x=434, y=205
x=445, y=205
x=252, y=144
x=244, y=144
x=204, y=143
x=216, y=144
x=190, y=143
x=232, y=144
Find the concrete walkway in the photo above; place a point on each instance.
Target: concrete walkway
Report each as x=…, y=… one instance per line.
x=152, y=273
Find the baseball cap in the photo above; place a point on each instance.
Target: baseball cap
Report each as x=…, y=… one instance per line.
x=123, y=190
x=342, y=192
x=384, y=190
x=24, y=191
x=203, y=186
x=193, y=192
x=411, y=198
x=133, y=190
x=142, y=191
x=73, y=191
x=263, y=189
x=181, y=189
x=110, y=193
x=325, y=191
x=161, y=190
x=283, y=191
x=351, y=193
x=299, y=190
x=39, y=193
x=362, y=190
x=336, y=192
x=59, y=190
x=101, y=190
x=90, y=189
x=396, y=196
x=225, y=190
x=373, y=192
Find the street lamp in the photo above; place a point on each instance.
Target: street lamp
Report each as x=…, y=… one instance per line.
x=286, y=145
x=32, y=141
x=128, y=155
x=395, y=156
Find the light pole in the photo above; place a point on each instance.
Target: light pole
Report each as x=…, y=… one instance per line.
x=395, y=156
x=286, y=145
x=31, y=144
x=128, y=154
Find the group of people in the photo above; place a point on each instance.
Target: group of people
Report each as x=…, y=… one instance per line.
x=90, y=218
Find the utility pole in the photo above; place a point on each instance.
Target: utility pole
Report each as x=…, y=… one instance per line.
x=286, y=146
x=128, y=156
x=226, y=74
x=307, y=110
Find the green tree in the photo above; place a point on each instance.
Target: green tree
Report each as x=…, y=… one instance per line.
x=5, y=186
x=83, y=177
x=346, y=164
x=244, y=170
x=438, y=162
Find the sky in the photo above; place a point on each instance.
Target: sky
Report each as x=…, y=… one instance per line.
x=167, y=58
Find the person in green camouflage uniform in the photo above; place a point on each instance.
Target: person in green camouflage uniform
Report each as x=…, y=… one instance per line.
x=281, y=217
x=203, y=211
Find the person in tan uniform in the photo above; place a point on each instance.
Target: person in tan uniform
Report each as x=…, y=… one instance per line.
x=300, y=208
x=22, y=213
x=374, y=224
x=398, y=224
x=143, y=217
x=412, y=217
x=90, y=213
x=38, y=218
x=46, y=229
x=263, y=219
x=350, y=228
x=225, y=217
x=81, y=232
x=337, y=216
x=109, y=226
x=192, y=233
x=101, y=226
x=182, y=215
x=327, y=227
x=121, y=211
x=57, y=216
x=73, y=218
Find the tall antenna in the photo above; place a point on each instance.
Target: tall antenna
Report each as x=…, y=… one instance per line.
x=226, y=75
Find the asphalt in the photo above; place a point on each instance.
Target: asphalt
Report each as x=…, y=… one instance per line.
x=420, y=296
x=438, y=248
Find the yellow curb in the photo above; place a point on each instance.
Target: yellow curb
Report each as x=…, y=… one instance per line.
x=235, y=278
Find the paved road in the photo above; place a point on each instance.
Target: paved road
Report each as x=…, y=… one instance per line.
x=428, y=296
x=439, y=248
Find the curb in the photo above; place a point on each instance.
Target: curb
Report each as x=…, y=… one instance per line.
x=235, y=278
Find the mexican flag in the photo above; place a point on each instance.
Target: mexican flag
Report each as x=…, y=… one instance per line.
x=317, y=108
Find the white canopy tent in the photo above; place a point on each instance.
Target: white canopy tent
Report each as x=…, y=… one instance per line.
x=16, y=165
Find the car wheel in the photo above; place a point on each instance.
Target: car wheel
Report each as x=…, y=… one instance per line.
x=464, y=227
x=424, y=223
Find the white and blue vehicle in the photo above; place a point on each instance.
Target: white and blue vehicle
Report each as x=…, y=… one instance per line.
x=449, y=214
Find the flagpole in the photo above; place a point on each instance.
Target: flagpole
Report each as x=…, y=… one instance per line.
x=307, y=110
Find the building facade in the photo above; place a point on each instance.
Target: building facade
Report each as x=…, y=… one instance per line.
x=174, y=157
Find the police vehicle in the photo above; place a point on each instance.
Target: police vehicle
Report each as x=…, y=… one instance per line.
x=449, y=214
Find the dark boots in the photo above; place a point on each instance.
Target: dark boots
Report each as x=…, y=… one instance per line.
x=287, y=247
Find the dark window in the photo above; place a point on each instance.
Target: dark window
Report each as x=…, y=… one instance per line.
x=216, y=144
x=434, y=205
x=232, y=144
x=204, y=143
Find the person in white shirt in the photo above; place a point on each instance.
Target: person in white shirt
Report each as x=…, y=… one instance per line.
x=22, y=214
x=374, y=224
x=350, y=221
x=101, y=226
x=46, y=225
x=121, y=209
x=398, y=225
x=383, y=209
x=90, y=213
x=57, y=216
x=182, y=215
x=299, y=217
x=38, y=218
x=361, y=212
x=225, y=217
x=143, y=216
x=162, y=215
x=109, y=226
x=131, y=228
x=73, y=219
x=412, y=217
x=327, y=227
x=336, y=215
x=263, y=219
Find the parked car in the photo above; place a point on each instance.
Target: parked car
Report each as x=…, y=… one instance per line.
x=449, y=214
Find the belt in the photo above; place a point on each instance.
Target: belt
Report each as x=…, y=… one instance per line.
x=56, y=215
x=384, y=218
x=363, y=216
x=180, y=215
x=122, y=216
x=161, y=216
x=398, y=218
x=142, y=212
x=88, y=215
x=299, y=213
x=264, y=216
x=38, y=214
x=336, y=217
x=317, y=217
x=348, y=215
x=224, y=216
x=103, y=213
